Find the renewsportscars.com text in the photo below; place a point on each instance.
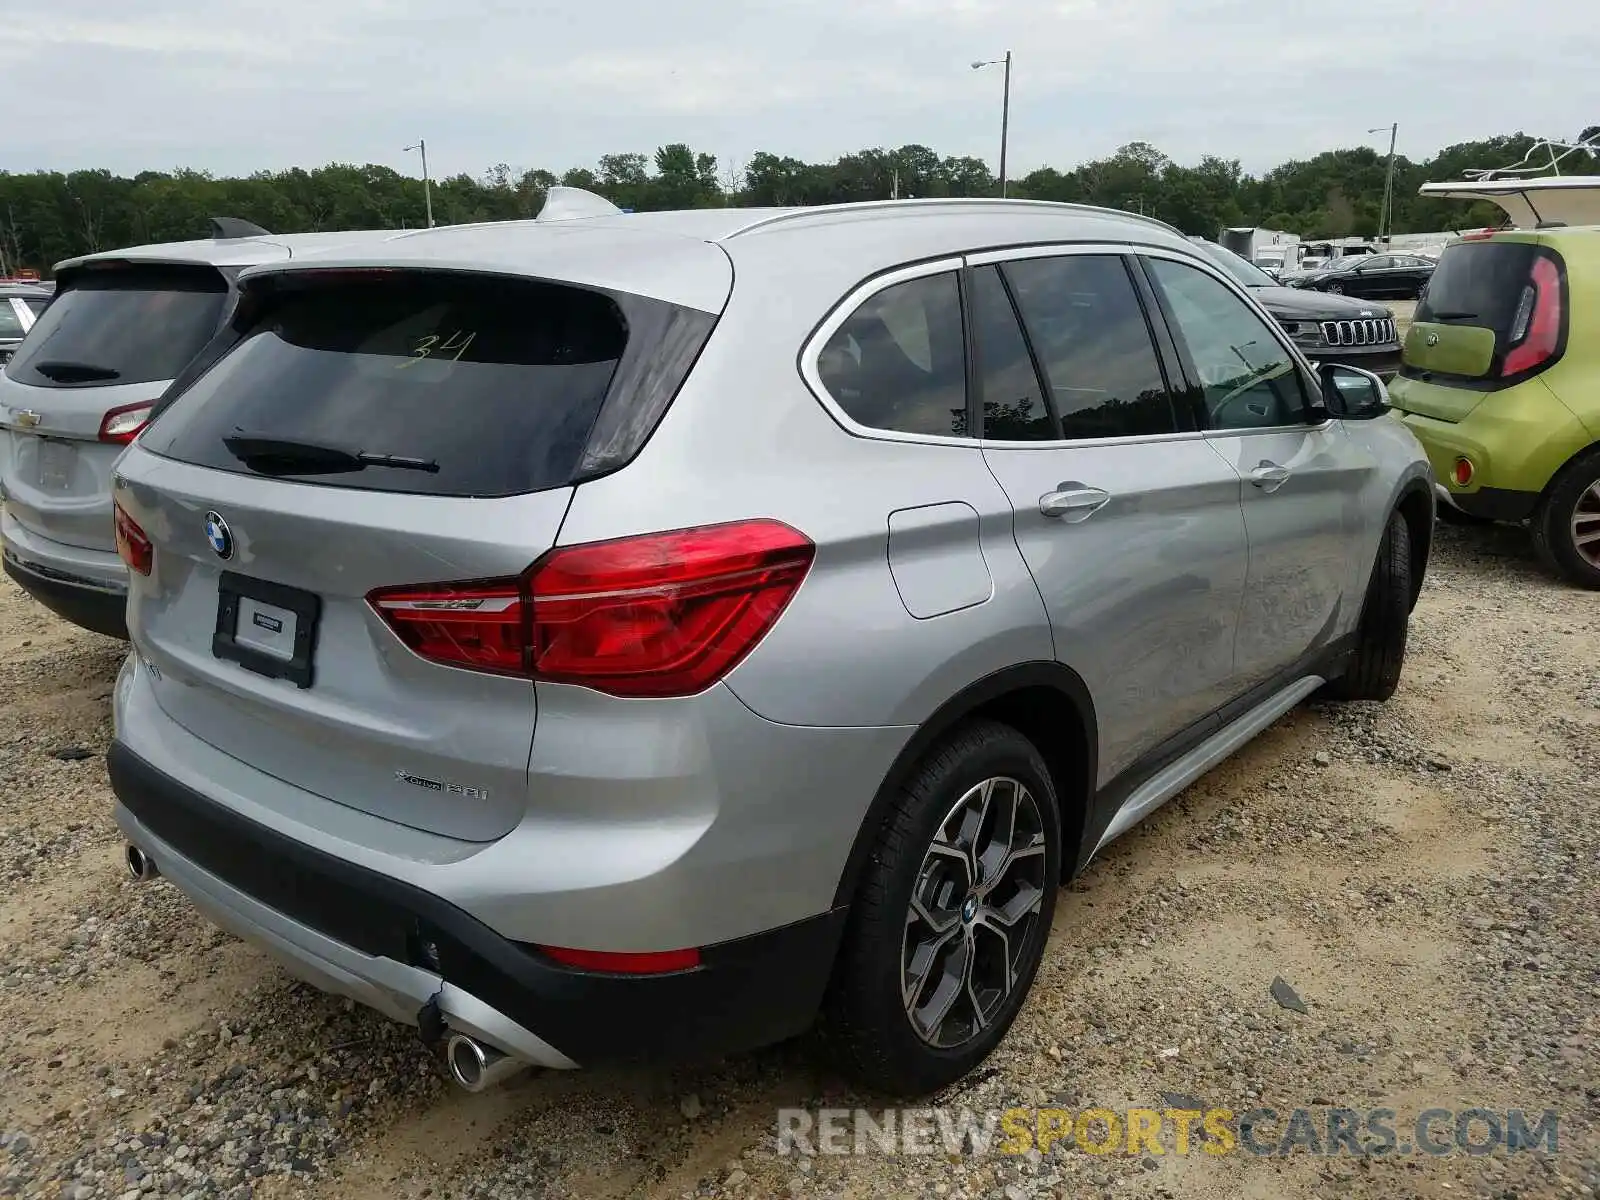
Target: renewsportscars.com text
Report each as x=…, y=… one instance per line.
x=1260, y=1131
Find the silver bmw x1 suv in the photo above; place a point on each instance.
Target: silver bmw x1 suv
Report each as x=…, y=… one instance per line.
x=632, y=637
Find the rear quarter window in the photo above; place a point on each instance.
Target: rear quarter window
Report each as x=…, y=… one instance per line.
x=121, y=326
x=898, y=362
x=497, y=382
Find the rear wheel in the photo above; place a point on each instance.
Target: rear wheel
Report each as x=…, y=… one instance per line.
x=1566, y=529
x=949, y=924
x=1374, y=670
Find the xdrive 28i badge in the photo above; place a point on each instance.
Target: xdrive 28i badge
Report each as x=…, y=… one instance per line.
x=219, y=535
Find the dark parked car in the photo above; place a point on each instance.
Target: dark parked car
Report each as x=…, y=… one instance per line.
x=1392, y=276
x=1325, y=328
x=20, y=303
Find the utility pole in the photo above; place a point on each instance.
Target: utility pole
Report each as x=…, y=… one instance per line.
x=1386, y=214
x=1005, y=112
x=1005, y=124
x=427, y=184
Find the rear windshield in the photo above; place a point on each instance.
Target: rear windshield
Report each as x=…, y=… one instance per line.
x=36, y=303
x=484, y=386
x=1246, y=273
x=122, y=326
x=1479, y=283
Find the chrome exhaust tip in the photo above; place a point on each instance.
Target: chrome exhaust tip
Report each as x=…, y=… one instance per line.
x=475, y=1067
x=140, y=865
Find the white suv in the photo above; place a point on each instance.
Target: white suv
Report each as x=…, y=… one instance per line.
x=80, y=387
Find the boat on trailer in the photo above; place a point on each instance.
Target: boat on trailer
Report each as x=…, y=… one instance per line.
x=1533, y=193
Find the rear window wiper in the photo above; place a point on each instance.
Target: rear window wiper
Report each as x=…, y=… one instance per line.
x=75, y=372
x=1452, y=315
x=297, y=456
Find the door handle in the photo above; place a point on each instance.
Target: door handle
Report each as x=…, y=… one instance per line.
x=1073, y=502
x=1269, y=476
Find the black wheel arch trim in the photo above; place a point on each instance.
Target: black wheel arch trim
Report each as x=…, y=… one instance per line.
x=1055, y=676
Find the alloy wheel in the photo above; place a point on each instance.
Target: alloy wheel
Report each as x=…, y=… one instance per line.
x=973, y=920
x=1586, y=525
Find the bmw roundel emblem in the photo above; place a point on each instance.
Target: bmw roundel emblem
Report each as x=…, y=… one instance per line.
x=219, y=535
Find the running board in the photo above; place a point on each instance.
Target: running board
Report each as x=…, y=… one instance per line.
x=1170, y=780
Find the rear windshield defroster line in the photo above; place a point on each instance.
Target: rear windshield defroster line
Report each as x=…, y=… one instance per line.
x=498, y=383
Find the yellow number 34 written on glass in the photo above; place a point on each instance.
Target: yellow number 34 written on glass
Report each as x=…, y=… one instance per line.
x=453, y=346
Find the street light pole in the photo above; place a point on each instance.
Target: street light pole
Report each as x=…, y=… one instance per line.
x=1386, y=215
x=1005, y=112
x=427, y=185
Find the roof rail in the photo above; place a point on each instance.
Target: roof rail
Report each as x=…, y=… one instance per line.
x=820, y=210
x=225, y=229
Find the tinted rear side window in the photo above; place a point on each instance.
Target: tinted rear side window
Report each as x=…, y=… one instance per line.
x=1088, y=328
x=898, y=362
x=137, y=325
x=1479, y=283
x=496, y=381
x=1013, y=404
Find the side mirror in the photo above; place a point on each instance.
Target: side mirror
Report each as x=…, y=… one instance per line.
x=1352, y=394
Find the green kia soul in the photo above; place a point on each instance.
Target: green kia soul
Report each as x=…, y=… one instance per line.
x=1500, y=381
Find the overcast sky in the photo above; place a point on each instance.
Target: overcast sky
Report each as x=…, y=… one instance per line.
x=232, y=87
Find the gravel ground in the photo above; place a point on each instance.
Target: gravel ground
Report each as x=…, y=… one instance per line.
x=1422, y=874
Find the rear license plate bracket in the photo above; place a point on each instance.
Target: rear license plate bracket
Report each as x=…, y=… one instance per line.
x=265, y=627
x=58, y=463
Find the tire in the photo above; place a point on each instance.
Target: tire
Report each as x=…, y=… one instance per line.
x=1374, y=669
x=1570, y=510
x=1336, y=288
x=867, y=1018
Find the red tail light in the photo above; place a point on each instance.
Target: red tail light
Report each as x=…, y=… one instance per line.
x=664, y=614
x=654, y=963
x=133, y=547
x=122, y=425
x=1538, y=320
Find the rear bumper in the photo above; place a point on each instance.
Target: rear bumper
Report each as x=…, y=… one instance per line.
x=1492, y=504
x=1515, y=439
x=83, y=602
x=85, y=586
x=396, y=947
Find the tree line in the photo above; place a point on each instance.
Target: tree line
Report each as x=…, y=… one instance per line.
x=47, y=216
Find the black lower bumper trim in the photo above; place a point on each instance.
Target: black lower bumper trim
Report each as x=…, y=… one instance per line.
x=87, y=608
x=1497, y=504
x=1383, y=362
x=746, y=993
